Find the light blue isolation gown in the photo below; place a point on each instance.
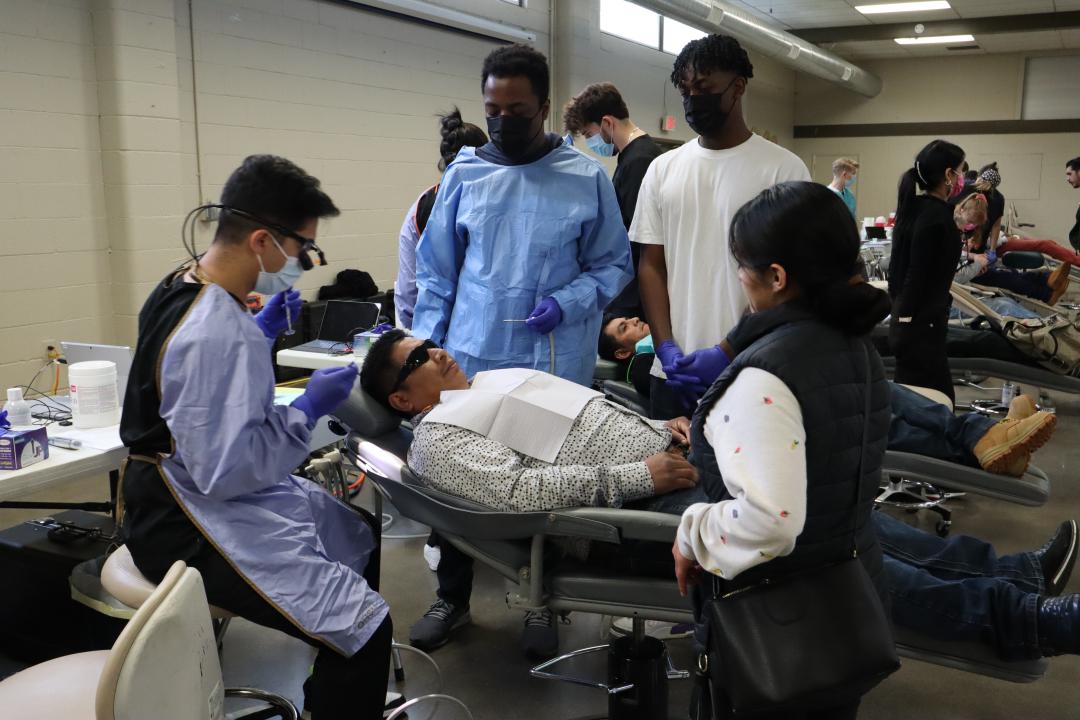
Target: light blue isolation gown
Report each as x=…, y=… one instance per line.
x=301, y=548
x=503, y=237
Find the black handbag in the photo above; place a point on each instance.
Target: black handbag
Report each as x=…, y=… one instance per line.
x=812, y=639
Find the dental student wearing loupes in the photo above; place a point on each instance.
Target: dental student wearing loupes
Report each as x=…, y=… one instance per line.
x=208, y=480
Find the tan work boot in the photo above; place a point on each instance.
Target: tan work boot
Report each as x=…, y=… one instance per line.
x=1058, y=282
x=1017, y=467
x=998, y=449
x=1022, y=406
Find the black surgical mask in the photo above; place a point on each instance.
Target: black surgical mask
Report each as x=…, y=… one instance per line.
x=705, y=114
x=512, y=135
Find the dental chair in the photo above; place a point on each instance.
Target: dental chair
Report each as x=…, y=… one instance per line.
x=514, y=545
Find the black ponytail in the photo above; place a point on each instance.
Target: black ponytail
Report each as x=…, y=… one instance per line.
x=456, y=134
x=806, y=228
x=927, y=173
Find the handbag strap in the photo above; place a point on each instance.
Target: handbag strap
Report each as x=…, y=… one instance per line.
x=862, y=454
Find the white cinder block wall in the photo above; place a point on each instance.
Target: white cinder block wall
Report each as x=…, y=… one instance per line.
x=54, y=265
x=110, y=132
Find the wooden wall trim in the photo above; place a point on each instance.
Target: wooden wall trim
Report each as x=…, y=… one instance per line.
x=960, y=127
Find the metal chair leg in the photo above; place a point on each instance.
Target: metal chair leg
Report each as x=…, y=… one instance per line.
x=280, y=707
x=399, y=669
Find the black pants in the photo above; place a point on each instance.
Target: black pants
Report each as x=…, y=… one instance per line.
x=455, y=573
x=666, y=403
x=921, y=359
x=1029, y=284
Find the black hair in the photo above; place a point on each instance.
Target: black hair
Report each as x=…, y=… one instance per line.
x=927, y=173
x=518, y=61
x=1074, y=164
x=273, y=189
x=378, y=373
x=712, y=52
x=606, y=345
x=591, y=105
x=806, y=228
x=456, y=134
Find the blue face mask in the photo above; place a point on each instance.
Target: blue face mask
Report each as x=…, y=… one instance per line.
x=271, y=283
x=849, y=183
x=644, y=345
x=597, y=145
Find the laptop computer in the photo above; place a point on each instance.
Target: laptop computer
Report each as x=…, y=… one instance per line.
x=341, y=320
x=120, y=354
x=874, y=232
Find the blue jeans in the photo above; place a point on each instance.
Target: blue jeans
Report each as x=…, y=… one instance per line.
x=959, y=589
x=925, y=427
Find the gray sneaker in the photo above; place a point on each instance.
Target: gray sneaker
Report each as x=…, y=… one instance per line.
x=540, y=638
x=433, y=630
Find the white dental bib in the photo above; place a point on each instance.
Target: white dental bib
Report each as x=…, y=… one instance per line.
x=529, y=411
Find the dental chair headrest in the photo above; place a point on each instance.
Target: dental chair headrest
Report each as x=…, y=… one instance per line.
x=364, y=415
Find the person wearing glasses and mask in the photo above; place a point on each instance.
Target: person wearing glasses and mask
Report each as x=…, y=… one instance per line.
x=525, y=246
x=208, y=477
x=599, y=114
x=689, y=281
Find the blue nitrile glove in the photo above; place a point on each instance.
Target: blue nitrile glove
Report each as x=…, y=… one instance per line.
x=326, y=389
x=991, y=257
x=703, y=365
x=3, y=419
x=545, y=316
x=668, y=352
x=271, y=319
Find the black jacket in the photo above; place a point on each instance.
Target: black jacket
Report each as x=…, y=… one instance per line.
x=827, y=373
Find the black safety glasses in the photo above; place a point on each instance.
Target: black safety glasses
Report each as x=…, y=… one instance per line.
x=416, y=358
x=306, y=244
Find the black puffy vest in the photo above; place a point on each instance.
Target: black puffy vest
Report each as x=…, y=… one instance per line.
x=826, y=371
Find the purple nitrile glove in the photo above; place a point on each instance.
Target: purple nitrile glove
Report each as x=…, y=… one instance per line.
x=3, y=419
x=703, y=365
x=991, y=257
x=326, y=390
x=271, y=319
x=546, y=316
x=668, y=352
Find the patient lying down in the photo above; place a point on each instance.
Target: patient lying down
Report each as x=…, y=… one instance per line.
x=613, y=457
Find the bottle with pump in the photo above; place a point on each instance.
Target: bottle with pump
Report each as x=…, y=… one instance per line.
x=18, y=409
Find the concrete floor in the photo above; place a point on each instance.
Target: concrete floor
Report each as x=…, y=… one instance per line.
x=484, y=667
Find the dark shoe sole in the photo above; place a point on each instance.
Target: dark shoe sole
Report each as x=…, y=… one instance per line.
x=1056, y=584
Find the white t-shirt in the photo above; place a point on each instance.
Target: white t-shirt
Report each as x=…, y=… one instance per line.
x=686, y=203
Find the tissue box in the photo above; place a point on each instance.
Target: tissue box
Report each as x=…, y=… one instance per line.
x=23, y=447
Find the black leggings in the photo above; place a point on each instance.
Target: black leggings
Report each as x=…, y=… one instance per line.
x=921, y=358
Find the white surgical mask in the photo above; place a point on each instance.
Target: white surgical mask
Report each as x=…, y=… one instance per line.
x=271, y=283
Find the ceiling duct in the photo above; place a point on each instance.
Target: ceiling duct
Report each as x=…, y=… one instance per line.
x=716, y=16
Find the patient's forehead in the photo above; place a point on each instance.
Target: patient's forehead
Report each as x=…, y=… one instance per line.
x=402, y=350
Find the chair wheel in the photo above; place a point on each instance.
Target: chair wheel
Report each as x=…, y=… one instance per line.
x=399, y=674
x=943, y=528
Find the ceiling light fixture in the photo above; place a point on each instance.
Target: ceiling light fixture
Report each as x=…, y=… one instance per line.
x=935, y=40
x=901, y=7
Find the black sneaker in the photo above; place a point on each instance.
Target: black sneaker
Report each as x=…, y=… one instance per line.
x=1057, y=557
x=433, y=630
x=394, y=700
x=540, y=638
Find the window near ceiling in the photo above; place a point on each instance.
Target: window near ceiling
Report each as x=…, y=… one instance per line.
x=645, y=27
x=677, y=34
x=1051, y=86
x=630, y=22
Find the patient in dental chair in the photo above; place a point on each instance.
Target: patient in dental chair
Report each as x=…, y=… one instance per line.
x=956, y=589
x=918, y=425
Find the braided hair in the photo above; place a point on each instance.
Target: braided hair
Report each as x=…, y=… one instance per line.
x=712, y=52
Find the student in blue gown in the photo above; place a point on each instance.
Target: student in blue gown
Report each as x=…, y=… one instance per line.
x=525, y=245
x=208, y=477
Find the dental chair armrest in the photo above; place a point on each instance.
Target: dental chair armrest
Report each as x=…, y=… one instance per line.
x=632, y=524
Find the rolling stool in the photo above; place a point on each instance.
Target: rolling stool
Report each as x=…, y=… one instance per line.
x=122, y=580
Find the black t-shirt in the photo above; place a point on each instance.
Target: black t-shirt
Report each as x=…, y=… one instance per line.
x=924, y=261
x=1074, y=234
x=634, y=161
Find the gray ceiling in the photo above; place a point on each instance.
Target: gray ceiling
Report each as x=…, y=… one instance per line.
x=806, y=14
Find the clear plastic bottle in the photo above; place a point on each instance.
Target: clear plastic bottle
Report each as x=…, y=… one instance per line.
x=1009, y=390
x=18, y=410
x=1046, y=402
